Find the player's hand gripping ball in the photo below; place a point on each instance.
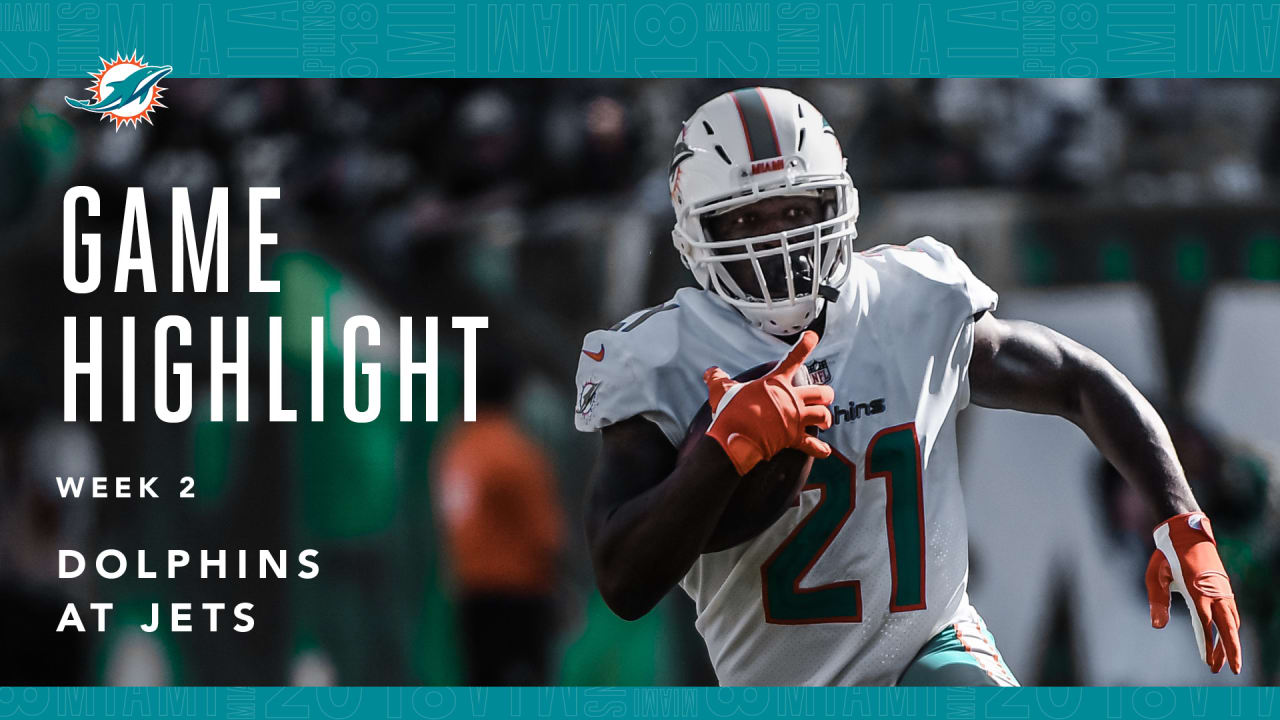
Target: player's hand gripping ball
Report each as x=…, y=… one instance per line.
x=1186, y=561
x=771, y=485
x=754, y=420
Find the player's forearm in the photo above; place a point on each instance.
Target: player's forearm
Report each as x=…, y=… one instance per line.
x=1024, y=366
x=647, y=544
x=1129, y=433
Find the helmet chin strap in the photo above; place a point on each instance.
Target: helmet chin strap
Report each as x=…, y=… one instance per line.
x=785, y=328
x=815, y=323
x=826, y=294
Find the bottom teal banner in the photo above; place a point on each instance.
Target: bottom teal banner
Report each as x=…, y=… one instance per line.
x=274, y=703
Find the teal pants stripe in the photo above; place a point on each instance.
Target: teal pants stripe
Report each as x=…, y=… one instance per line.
x=956, y=657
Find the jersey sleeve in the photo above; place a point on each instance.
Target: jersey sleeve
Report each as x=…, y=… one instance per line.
x=949, y=269
x=980, y=298
x=623, y=375
x=937, y=299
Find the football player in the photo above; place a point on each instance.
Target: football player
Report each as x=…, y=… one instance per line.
x=864, y=580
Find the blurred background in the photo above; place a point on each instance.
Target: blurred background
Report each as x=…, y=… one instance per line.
x=1140, y=217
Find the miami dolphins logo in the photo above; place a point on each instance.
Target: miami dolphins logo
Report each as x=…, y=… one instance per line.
x=125, y=90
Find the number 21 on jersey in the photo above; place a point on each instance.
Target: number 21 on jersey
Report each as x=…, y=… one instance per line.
x=892, y=457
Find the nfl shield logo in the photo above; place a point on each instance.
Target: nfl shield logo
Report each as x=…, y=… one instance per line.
x=818, y=372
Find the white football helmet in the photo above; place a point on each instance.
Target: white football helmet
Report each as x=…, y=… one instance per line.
x=740, y=148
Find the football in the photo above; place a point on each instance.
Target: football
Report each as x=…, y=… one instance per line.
x=766, y=491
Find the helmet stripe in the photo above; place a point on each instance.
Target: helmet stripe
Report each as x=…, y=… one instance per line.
x=762, y=136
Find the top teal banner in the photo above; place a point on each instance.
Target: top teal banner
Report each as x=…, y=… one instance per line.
x=341, y=38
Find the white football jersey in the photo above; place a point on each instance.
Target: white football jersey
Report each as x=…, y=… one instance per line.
x=846, y=587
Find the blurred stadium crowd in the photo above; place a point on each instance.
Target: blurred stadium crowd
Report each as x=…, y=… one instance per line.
x=543, y=204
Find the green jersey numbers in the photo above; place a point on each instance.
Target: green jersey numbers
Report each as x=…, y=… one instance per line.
x=785, y=602
x=893, y=458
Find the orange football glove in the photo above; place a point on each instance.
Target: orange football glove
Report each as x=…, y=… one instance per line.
x=1186, y=560
x=752, y=421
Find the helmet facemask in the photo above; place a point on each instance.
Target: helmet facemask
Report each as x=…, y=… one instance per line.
x=778, y=280
x=746, y=147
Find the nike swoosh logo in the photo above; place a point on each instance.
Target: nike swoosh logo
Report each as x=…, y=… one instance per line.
x=597, y=355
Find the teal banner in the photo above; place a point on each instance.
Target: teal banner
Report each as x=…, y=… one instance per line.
x=341, y=38
x=1155, y=703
